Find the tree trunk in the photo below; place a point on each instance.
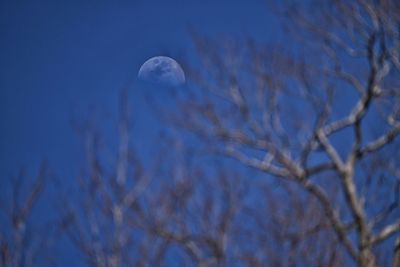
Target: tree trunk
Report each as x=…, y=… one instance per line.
x=367, y=258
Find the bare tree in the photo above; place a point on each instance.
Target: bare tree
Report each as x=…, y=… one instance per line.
x=119, y=217
x=101, y=219
x=183, y=212
x=320, y=108
x=21, y=241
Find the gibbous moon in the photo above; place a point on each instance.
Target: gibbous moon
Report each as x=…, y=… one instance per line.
x=162, y=70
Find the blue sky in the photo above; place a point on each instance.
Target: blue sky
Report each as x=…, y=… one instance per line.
x=64, y=61
x=59, y=59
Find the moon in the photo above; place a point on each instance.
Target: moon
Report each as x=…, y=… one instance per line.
x=162, y=70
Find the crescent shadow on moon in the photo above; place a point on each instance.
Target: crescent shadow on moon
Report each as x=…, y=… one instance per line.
x=162, y=70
